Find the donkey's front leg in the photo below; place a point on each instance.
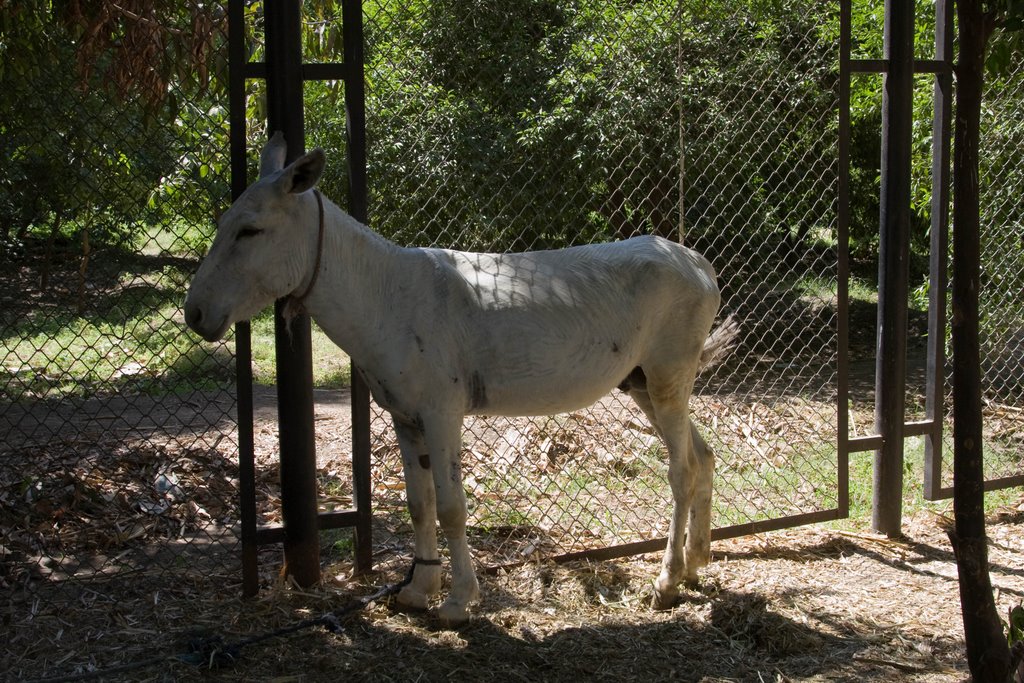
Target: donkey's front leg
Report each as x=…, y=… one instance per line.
x=444, y=440
x=419, y=492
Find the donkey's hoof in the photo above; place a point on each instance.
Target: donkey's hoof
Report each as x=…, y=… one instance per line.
x=665, y=597
x=411, y=599
x=452, y=614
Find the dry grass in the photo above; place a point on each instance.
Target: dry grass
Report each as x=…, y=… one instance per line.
x=804, y=604
x=815, y=603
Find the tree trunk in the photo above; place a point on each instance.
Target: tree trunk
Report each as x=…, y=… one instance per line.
x=44, y=271
x=988, y=655
x=83, y=268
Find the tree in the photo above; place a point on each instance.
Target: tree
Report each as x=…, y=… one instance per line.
x=560, y=122
x=155, y=57
x=988, y=654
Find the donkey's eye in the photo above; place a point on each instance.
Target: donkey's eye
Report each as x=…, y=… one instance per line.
x=247, y=231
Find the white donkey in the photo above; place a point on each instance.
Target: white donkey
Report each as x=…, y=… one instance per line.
x=441, y=334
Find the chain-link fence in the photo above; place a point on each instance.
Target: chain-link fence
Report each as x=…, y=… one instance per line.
x=117, y=441
x=538, y=125
x=492, y=126
x=1002, y=249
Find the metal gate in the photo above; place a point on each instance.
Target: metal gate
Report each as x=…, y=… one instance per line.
x=593, y=483
x=784, y=452
x=772, y=434
x=891, y=425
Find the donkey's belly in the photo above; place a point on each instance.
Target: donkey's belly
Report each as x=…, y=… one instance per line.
x=532, y=393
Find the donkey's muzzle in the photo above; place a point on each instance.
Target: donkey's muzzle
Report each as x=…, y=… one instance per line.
x=200, y=322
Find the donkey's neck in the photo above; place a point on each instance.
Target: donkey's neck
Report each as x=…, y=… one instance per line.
x=359, y=270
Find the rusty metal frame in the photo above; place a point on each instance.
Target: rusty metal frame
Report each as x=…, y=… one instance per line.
x=933, y=488
x=351, y=72
x=284, y=72
x=938, y=283
x=931, y=427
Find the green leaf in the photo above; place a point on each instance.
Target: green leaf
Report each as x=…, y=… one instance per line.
x=1016, y=627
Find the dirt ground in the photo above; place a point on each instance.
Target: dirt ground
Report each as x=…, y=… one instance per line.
x=819, y=603
x=809, y=604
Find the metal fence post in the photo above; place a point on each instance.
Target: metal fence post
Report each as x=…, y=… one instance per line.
x=893, y=270
x=294, y=346
x=355, y=112
x=243, y=332
x=941, y=124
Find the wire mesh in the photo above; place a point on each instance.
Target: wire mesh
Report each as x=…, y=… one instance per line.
x=536, y=125
x=116, y=429
x=1002, y=254
x=1001, y=324
x=493, y=126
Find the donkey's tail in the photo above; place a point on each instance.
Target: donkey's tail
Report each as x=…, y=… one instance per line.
x=719, y=343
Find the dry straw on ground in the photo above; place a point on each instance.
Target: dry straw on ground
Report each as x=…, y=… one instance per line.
x=814, y=604
x=811, y=604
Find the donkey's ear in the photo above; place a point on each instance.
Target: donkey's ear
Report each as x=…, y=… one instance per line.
x=273, y=155
x=304, y=172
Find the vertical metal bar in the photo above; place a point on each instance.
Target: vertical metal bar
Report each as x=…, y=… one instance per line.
x=243, y=338
x=677, y=21
x=283, y=19
x=893, y=270
x=246, y=458
x=355, y=118
x=843, y=274
x=935, y=391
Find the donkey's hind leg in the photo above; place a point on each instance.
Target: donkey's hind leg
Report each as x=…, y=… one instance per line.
x=698, y=533
x=687, y=473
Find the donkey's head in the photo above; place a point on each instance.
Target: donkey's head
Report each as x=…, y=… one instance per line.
x=265, y=244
